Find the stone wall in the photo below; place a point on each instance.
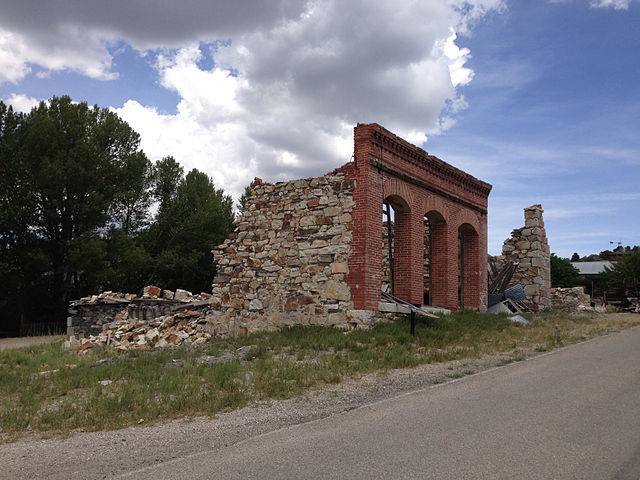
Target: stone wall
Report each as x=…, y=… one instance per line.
x=90, y=316
x=529, y=249
x=286, y=262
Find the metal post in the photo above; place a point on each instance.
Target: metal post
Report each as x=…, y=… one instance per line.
x=413, y=321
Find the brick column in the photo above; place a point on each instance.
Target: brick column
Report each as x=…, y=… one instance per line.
x=409, y=256
x=365, y=260
x=471, y=275
x=444, y=265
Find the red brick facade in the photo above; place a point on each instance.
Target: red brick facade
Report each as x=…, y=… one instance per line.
x=418, y=185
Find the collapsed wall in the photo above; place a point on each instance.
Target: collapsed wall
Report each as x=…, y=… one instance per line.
x=529, y=249
x=310, y=251
x=287, y=261
x=571, y=300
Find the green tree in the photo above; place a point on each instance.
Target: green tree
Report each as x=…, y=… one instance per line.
x=575, y=257
x=625, y=272
x=71, y=172
x=167, y=175
x=195, y=220
x=129, y=210
x=244, y=197
x=563, y=274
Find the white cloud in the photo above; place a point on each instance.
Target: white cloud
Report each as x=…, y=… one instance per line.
x=76, y=50
x=21, y=103
x=303, y=73
x=616, y=4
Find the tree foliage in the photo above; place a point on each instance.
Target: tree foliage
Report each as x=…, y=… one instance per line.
x=563, y=274
x=195, y=219
x=625, y=272
x=244, y=197
x=77, y=197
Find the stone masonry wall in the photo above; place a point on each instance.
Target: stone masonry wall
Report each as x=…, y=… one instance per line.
x=286, y=262
x=528, y=247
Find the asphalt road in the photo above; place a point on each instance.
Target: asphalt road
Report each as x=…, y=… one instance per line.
x=570, y=414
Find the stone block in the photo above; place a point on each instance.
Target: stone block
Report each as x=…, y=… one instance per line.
x=335, y=290
x=182, y=295
x=150, y=291
x=531, y=290
x=255, y=305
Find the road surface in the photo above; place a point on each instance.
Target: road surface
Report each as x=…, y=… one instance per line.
x=570, y=414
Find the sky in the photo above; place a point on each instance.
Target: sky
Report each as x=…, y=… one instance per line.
x=541, y=98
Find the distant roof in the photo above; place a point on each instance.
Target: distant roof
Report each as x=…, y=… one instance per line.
x=592, y=268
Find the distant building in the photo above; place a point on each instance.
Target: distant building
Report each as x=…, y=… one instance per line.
x=592, y=268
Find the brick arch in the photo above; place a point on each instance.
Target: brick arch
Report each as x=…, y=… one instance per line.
x=397, y=191
x=433, y=203
x=385, y=166
x=465, y=217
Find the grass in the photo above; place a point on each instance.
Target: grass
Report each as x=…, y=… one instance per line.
x=51, y=392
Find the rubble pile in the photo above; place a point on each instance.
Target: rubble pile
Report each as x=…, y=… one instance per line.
x=570, y=300
x=158, y=318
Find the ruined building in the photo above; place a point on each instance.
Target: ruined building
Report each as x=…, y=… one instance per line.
x=311, y=251
x=528, y=248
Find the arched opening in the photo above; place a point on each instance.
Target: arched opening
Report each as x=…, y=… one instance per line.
x=395, y=248
x=435, y=259
x=469, y=274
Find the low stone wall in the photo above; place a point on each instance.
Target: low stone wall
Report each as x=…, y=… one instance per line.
x=286, y=262
x=90, y=316
x=529, y=249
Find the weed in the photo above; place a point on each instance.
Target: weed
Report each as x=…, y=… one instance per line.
x=54, y=392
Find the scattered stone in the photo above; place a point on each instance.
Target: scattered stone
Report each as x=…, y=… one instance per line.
x=571, y=300
x=151, y=291
x=182, y=295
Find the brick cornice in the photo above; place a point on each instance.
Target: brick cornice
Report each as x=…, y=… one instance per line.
x=431, y=165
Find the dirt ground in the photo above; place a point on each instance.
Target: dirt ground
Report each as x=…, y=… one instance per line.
x=19, y=342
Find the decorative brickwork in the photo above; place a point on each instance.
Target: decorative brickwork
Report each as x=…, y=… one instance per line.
x=417, y=184
x=529, y=249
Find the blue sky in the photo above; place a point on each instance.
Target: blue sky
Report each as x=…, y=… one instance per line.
x=541, y=99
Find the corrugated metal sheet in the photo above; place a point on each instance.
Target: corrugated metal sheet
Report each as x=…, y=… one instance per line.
x=592, y=268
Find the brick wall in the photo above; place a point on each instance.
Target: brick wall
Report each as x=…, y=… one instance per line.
x=417, y=184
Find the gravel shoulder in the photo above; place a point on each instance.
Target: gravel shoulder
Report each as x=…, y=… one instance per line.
x=98, y=455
